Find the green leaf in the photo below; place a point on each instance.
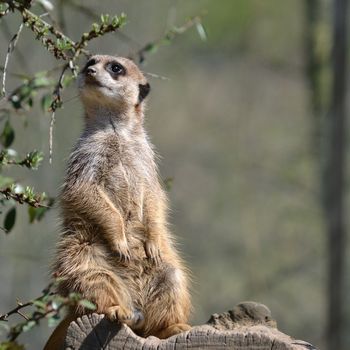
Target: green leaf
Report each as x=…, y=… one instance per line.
x=46, y=102
x=40, y=82
x=87, y=304
x=39, y=304
x=28, y=326
x=105, y=19
x=95, y=27
x=8, y=135
x=10, y=219
x=122, y=19
x=67, y=80
x=36, y=214
x=115, y=21
x=151, y=48
x=32, y=214
x=33, y=159
x=54, y=320
x=11, y=345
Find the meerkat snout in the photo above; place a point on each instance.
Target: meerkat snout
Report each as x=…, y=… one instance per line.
x=90, y=71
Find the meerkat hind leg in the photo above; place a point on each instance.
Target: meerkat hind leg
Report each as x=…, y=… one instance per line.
x=168, y=306
x=172, y=330
x=111, y=297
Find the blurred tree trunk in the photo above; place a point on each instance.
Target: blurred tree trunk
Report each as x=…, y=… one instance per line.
x=313, y=63
x=330, y=131
x=333, y=177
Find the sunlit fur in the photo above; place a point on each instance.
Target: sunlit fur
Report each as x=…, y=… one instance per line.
x=116, y=248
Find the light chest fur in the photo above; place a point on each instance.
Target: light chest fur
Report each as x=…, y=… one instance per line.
x=119, y=160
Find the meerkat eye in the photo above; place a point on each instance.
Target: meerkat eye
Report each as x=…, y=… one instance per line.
x=117, y=68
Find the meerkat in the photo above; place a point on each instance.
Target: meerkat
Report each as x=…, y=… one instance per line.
x=116, y=249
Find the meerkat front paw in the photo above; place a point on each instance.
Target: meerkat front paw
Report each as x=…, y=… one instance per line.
x=122, y=251
x=152, y=251
x=131, y=317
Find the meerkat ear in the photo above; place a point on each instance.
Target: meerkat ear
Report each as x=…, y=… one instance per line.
x=144, y=90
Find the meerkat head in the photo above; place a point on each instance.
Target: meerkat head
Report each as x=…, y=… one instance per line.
x=112, y=82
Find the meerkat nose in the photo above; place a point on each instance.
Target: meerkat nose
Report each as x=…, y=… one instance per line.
x=90, y=71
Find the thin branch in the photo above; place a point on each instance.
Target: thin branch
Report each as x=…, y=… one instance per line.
x=97, y=31
x=23, y=315
x=11, y=46
x=19, y=306
x=41, y=28
x=31, y=161
x=48, y=304
x=47, y=291
x=28, y=81
x=56, y=103
x=169, y=36
x=23, y=198
x=36, y=317
x=48, y=14
x=92, y=15
x=8, y=33
x=52, y=123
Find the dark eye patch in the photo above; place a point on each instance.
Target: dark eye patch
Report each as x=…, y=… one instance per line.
x=90, y=62
x=116, y=69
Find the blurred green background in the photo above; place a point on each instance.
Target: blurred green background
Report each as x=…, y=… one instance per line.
x=234, y=128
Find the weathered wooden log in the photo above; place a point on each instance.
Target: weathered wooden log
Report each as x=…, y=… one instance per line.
x=248, y=326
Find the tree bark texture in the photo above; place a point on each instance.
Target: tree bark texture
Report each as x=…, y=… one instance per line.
x=248, y=326
x=334, y=173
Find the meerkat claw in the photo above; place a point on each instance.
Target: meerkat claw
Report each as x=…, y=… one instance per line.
x=152, y=252
x=123, y=257
x=122, y=252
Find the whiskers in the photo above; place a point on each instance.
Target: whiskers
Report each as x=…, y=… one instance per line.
x=70, y=99
x=157, y=76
